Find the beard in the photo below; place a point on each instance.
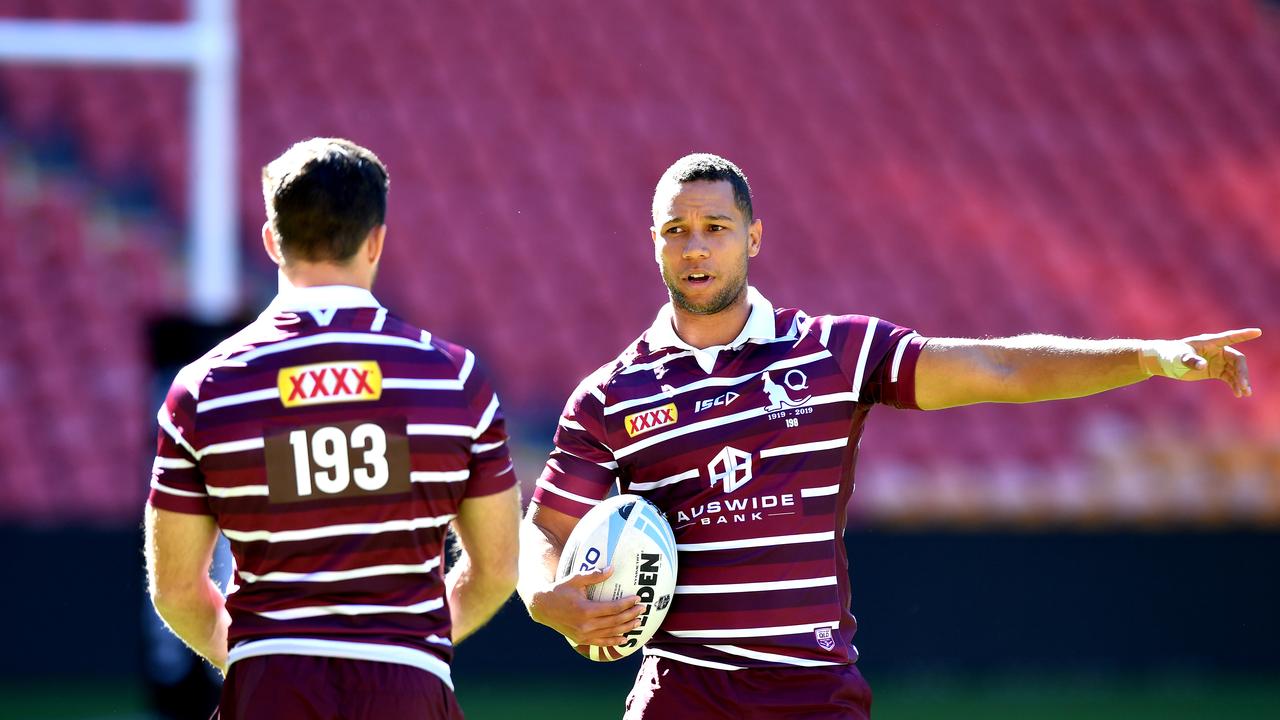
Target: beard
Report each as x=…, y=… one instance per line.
x=734, y=288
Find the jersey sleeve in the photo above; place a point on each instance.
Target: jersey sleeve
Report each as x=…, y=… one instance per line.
x=581, y=468
x=491, y=469
x=176, y=481
x=878, y=357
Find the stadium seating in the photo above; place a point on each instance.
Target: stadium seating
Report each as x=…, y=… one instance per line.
x=966, y=168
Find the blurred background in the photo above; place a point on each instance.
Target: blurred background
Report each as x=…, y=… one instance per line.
x=1096, y=168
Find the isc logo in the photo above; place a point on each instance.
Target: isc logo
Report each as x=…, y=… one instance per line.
x=329, y=383
x=642, y=422
x=724, y=400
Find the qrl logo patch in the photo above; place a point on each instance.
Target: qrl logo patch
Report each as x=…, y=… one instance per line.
x=329, y=383
x=823, y=636
x=642, y=422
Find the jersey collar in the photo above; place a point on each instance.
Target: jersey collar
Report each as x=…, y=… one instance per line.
x=323, y=297
x=760, y=326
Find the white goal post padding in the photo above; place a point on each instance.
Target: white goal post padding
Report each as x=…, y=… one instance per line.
x=206, y=45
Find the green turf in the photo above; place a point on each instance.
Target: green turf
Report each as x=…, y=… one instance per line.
x=72, y=699
x=1051, y=697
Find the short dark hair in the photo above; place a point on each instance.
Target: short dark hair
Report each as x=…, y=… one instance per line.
x=712, y=168
x=323, y=197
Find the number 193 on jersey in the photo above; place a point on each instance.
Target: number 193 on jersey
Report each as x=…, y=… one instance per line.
x=354, y=458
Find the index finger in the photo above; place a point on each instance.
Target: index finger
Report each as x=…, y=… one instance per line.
x=605, y=608
x=1231, y=337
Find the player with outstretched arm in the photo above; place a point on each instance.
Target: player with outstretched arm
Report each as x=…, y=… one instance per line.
x=334, y=445
x=741, y=421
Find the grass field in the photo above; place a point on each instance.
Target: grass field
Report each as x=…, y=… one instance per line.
x=1004, y=698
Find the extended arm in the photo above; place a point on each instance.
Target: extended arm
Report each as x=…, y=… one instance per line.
x=484, y=573
x=1031, y=368
x=563, y=606
x=179, y=549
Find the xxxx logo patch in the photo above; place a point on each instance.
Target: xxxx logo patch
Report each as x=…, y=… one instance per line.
x=330, y=383
x=642, y=422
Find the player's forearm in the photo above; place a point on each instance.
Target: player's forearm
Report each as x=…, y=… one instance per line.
x=475, y=595
x=539, y=559
x=1029, y=368
x=198, y=616
x=1048, y=367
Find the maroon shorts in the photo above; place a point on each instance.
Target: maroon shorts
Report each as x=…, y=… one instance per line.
x=301, y=687
x=667, y=689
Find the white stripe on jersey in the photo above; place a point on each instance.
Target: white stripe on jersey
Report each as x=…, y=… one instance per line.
x=726, y=420
x=174, y=433
x=691, y=661
x=436, y=639
x=716, y=382
x=570, y=424
x=164, y=463
x=819, y=491
x=565, y=493
x=420, y=384
x=796, y=539
x=325, y=531
x=457, y=383
x=486, y=419
x=652, y=365
x=271, y=393
x=375, y=652
x=897, y=355
x=174, y=491
x=755, y=632
x=340, y=575
x=826, y=331
x=610, y=465
x=756, y=586
x=793, y=332
x=771, y=657
x=424, y=476
x=664, y=481
x=237, y=491
x=804, y=447
x=465, y=431
x=425, y=606
x=333, y=338
x=862, y=356
x=478, y=448
x=379, y=318
x=233, y=446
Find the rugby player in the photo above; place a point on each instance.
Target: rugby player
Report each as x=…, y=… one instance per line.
x=334, y=445
x=741, y=421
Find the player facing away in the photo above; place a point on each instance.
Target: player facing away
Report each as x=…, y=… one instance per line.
x=741, y=421
x=334, y=445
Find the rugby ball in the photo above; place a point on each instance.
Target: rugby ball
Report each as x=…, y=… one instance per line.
x=629, y=533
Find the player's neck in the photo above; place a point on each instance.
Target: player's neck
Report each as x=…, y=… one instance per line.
x=704, y=331
x=320, y=274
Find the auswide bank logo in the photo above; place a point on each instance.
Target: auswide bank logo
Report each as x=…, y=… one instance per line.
x=333, y=382
x=730, y=468
x=642, y=422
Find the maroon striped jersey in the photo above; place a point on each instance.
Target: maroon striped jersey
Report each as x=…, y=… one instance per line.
x=749, y=450
x=333, y=443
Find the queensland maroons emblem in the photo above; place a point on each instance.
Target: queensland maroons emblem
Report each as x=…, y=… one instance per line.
x=824, y=638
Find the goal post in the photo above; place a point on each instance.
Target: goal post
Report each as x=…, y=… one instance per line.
x=205, y=45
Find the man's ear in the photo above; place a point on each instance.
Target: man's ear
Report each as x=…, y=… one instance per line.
x=375, y=243
x=270, y=245
x=754, y=235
